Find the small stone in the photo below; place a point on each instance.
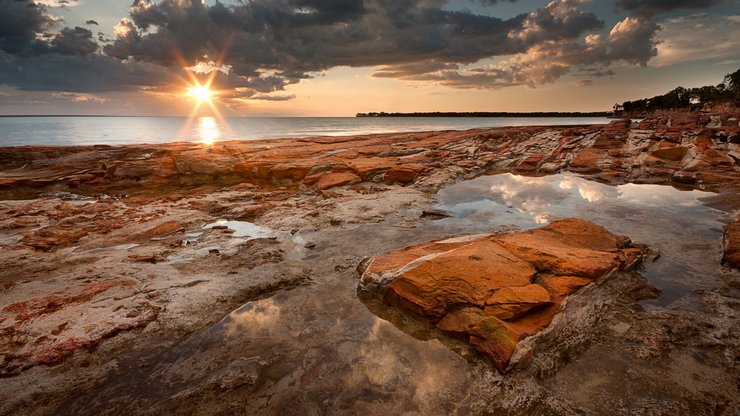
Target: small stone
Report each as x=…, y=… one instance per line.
x=435, y=214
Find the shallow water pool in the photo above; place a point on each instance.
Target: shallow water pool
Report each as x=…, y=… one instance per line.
x=684, y=232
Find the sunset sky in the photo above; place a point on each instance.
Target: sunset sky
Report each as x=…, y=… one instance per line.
x=340, y=57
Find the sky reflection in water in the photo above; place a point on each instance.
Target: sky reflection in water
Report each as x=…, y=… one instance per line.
x=675, y=223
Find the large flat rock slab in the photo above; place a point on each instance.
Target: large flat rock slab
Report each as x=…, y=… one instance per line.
x=494, y=290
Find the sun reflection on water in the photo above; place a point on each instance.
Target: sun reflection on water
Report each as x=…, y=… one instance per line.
x=208, y=130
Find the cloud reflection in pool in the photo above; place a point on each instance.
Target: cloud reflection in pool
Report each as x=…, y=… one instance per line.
x=675, y=223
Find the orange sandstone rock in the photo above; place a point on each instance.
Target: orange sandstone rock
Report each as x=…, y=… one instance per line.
x=494, y=290
x=332, y=179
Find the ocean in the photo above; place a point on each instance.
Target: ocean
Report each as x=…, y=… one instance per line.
x=70, y=131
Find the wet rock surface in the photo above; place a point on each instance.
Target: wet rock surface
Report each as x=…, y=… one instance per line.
x=494, y=290
x=732, y=243
x=186, y=278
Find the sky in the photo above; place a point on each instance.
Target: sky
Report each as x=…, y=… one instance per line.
x=340, y=57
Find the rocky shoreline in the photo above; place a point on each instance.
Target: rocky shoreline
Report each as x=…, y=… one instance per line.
x=110, y=254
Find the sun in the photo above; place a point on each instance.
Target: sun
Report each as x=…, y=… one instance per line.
x=200, y=92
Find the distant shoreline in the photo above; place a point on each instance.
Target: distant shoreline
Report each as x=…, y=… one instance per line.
x=491, y=114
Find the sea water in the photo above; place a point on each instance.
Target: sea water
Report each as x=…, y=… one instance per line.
x=70, y=131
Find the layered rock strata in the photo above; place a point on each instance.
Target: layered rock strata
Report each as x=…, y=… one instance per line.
x=494, y=290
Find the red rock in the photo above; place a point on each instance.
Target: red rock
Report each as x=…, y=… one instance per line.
x=531, y=162
x=161, y=230
x=247, y=212
x=492, y=290
x=332, y=179
x=465, y=275
x=52, y=237
x=564, y=285
x=670, y=153
x=568, y=247
x=487, y=334
x=403, y=174
x=587, y=160
x=511, y=302
x=32, y=308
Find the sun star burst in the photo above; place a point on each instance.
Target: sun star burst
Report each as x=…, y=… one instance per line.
x=200, y=92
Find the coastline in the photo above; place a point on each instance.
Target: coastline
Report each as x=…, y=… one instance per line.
x=325, y=202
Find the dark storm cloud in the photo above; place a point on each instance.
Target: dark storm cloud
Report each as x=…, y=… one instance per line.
x=92, y=73
x=301, y=36
x=92, y=22
x=653, y=7
x=77, y=41
x=20, y=21
x=262, y=46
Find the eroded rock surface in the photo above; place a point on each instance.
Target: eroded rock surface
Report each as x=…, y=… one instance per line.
x=680, y=149
x=494, y=290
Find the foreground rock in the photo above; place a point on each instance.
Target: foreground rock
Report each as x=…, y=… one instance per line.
x=494, y=290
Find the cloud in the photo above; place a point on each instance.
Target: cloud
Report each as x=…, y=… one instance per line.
x=92, y=73
x=580, y=83
x=649, y=8
x=698, y=37
x=265, y=97
x=92, y=22
x=58, y=3
x=77, y=41
x=78, y=98
x=630, y=41
x=20, y=22
x=259, y=47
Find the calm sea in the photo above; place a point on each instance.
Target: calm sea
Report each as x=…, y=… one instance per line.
x=65, y=131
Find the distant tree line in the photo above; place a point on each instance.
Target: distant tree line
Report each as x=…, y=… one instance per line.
x=686, y=98
x=488, y=114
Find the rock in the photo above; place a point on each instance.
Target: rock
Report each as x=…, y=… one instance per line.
x=435, y=214
x=52, y=237
x=403, y=174
x=511, y=302
x=45, y=330
x=492, y=290
x=247, y=212
x=587, y=160
x=732, y=243
x=464, y=275
x=332, y=179
x=674, y=154
x=162, y=230
x=144, y=258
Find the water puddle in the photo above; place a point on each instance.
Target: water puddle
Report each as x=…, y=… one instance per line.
x=242, y=229
x=686, y=233
x=116, y=247
x=239, y=231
